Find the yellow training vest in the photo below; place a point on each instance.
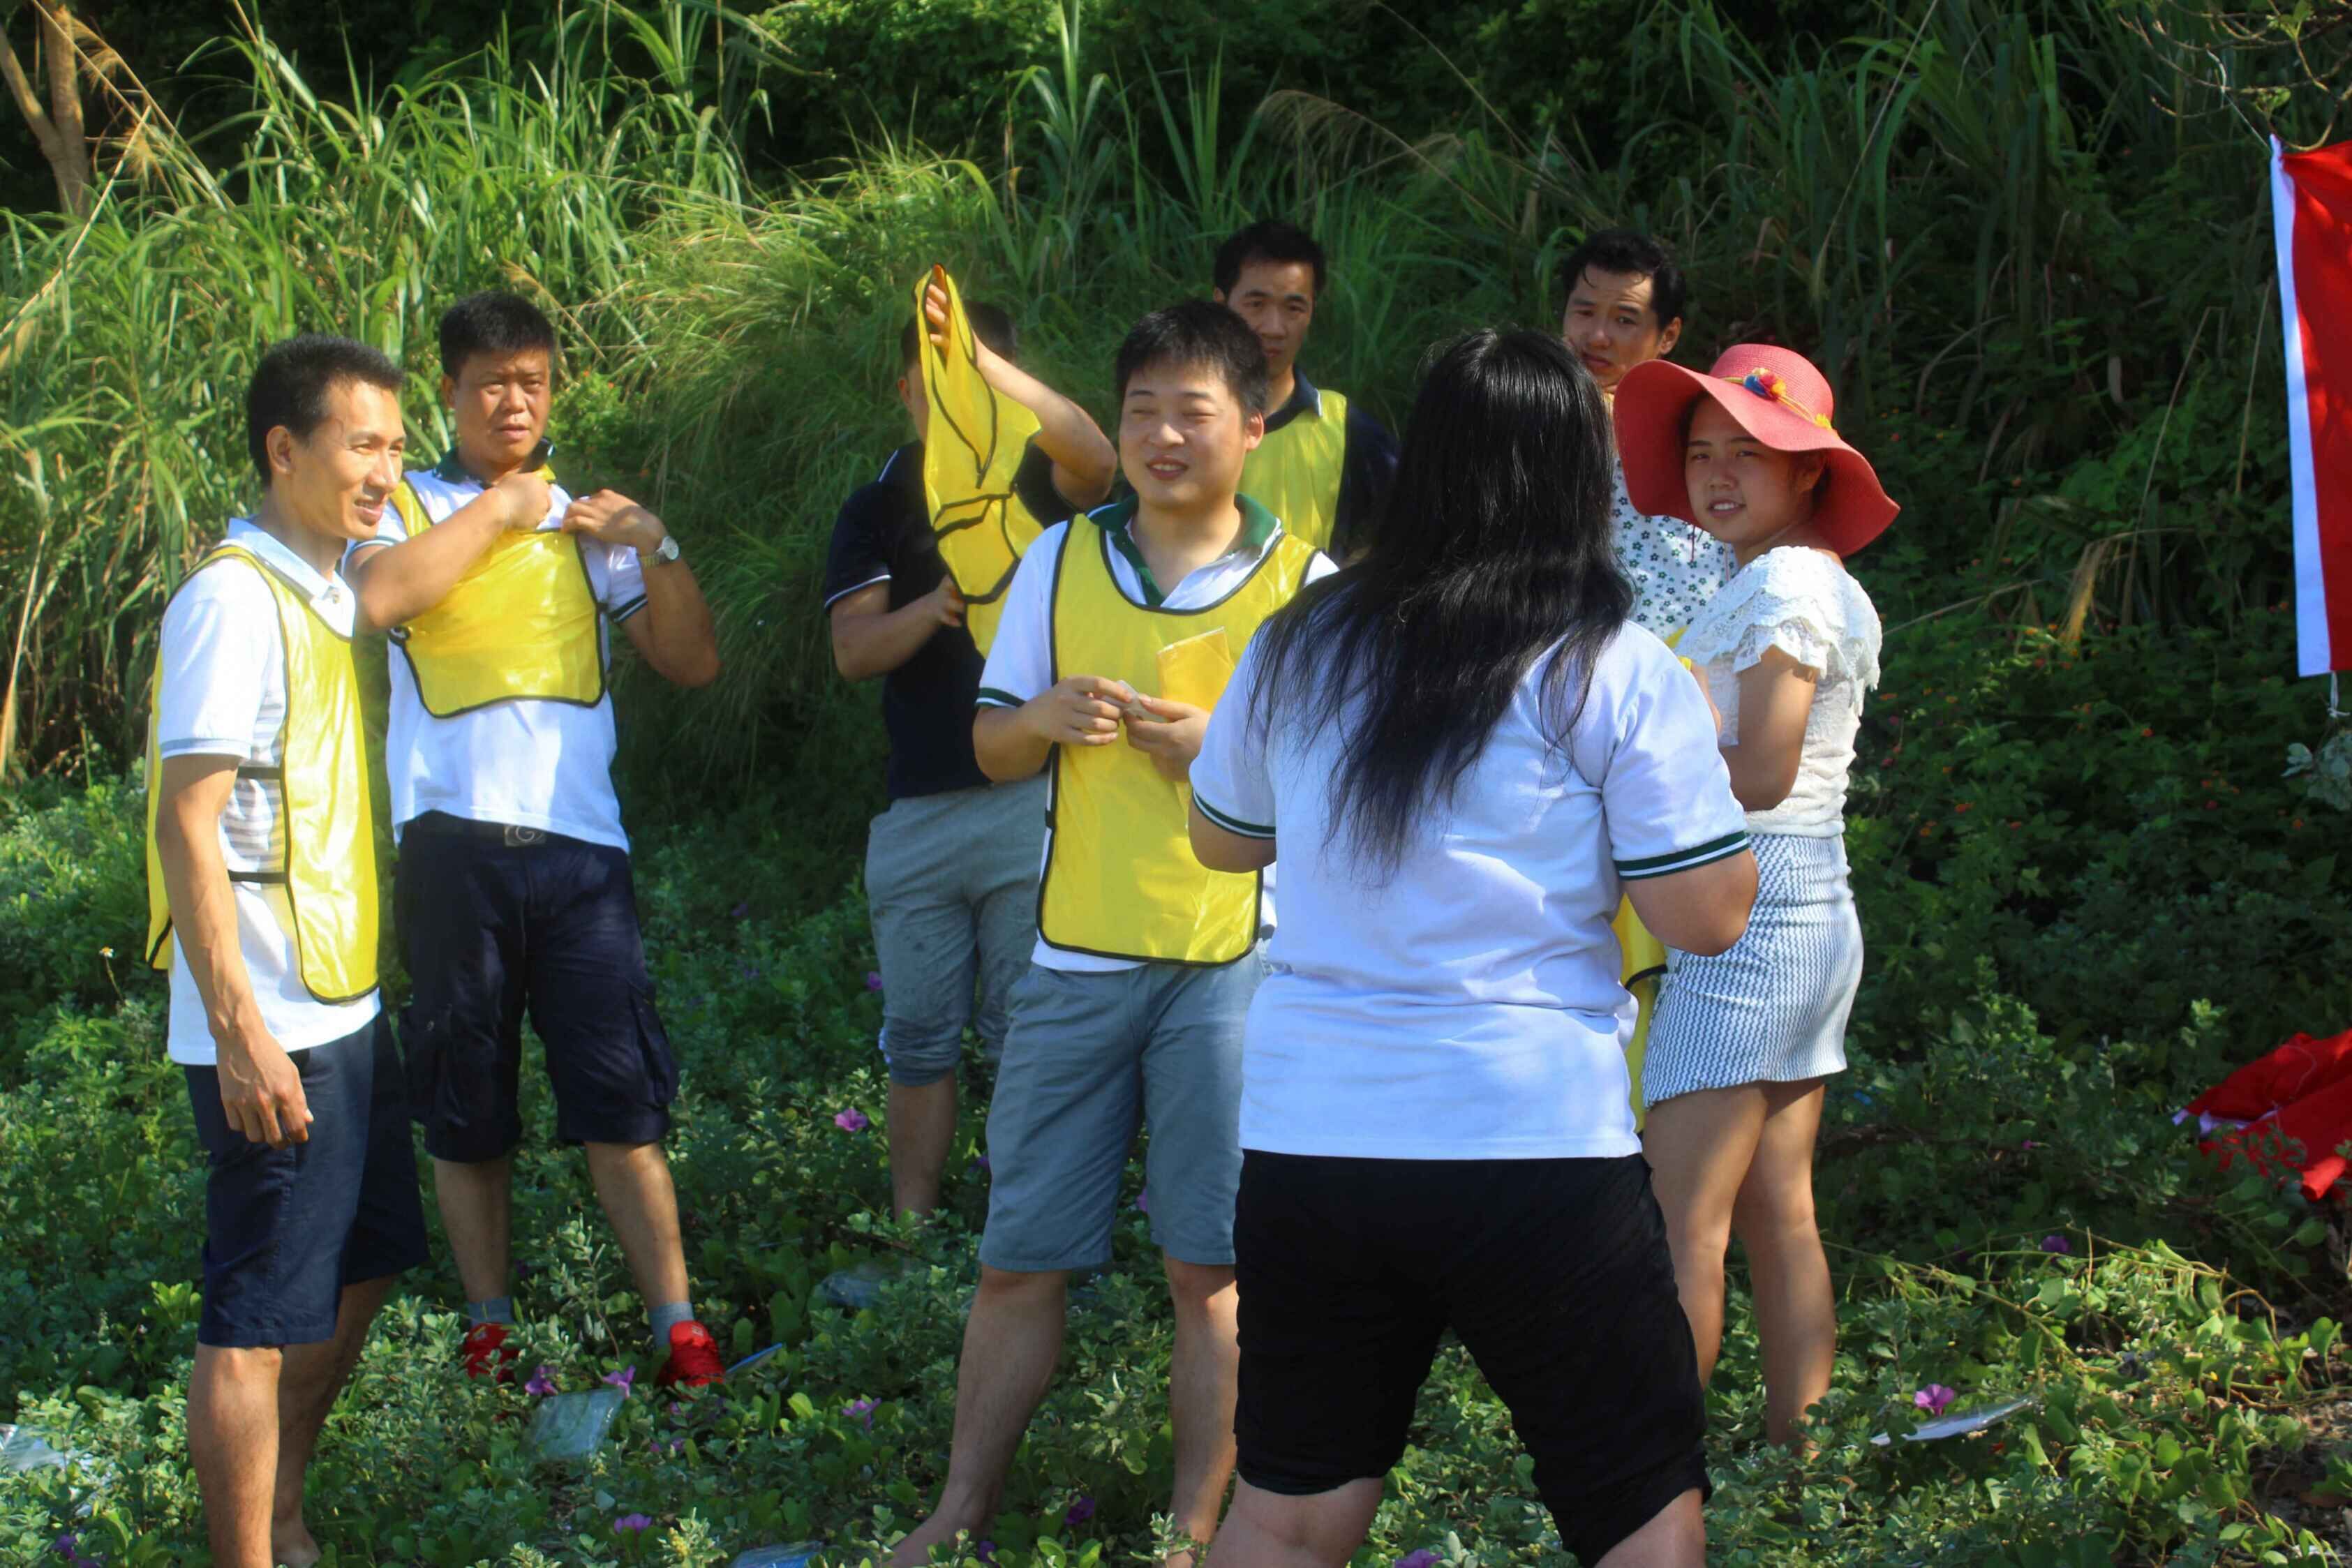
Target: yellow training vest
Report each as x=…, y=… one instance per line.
x=1294, y=472
x=521, y=623
x=327, y=815
x=1120, y=879
x=1644, y=958
x=970, y=454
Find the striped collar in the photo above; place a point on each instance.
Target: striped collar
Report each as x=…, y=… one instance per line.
x=452, y=469
x=1258, y=534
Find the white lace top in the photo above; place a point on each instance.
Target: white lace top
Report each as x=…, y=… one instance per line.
x=1805, y=603
x=1674, y=566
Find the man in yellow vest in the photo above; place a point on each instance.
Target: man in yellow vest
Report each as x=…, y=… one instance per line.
x=1117, y=634
x=513, y=889
x=262, y=903
x=1325, y=464
x=951, y=866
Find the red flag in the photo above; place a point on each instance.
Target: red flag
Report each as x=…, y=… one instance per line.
x=2311, y=212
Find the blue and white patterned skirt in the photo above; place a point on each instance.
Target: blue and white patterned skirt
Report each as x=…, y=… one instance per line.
x=1773, y=1009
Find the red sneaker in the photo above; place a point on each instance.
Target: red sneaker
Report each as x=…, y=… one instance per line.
x=486, y=1353
x=693, y=1359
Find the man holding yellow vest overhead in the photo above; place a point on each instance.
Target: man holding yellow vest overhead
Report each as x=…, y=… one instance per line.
x=1325, y=464
x=1117, y=638
x=951, y=867
x=261, y=884
x=513, y=890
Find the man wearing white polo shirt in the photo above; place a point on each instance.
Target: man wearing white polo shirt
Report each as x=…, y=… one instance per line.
x=513, y=891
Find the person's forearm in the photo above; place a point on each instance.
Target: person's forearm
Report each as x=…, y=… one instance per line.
x=1007, y=744
x=865, y=646
x=397, y=583
x=204, y=917
x=683, y=649
x=1065, y=433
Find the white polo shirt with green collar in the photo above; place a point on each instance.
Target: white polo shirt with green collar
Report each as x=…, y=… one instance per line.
x=1021, y=661
x=522, y=762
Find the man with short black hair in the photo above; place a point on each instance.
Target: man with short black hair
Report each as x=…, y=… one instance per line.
x=261, y=891
x=1117, y=636
x=513, y=888
x=1325, y=464
x=1626, y=297
x=951, y=866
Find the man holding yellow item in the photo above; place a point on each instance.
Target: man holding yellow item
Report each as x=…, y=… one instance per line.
x=951, y=866
x=1131, y=1010
x=1325, y=464
x=513, y=888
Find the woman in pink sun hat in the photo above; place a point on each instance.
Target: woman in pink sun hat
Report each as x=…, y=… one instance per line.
x=1743, y=1041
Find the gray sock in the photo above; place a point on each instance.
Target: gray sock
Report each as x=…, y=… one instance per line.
x=496, y=1310
x=667, y=1316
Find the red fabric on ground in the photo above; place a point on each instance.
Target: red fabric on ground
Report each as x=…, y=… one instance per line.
x=2308, y=1083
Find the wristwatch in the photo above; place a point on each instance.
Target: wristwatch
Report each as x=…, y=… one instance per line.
x=668, y=550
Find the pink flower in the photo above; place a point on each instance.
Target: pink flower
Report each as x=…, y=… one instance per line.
x=542, y=1382
x=2056, y=1243
x=873, y=980
x=1425, y=1558
x=1934, y=1400
x=634, y=1523
x=852, y=1120
x=861, y=1407
x=2029, y=1145
x=1079, y=1511
x=621, y=1379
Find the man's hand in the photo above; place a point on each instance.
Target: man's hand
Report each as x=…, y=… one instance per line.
x=1078, y=711
x=526, y=499
x=612, y=518
x=1171, y=737
x=261, y=1090
x=946, y=601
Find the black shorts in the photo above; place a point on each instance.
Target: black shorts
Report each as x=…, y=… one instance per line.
x=1555, y=1274
x=496, y=921
x=286, y=1229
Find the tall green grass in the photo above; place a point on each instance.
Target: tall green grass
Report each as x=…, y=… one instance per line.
x=2028, y=238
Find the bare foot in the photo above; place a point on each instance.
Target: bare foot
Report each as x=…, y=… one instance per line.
x=291, y=1544
x=941, y=1530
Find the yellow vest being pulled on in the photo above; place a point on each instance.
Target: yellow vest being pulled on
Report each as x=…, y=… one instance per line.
x=1120, y=878
x=521, y=623
x=972, y=451
x=1295, y=472
x=327, y=817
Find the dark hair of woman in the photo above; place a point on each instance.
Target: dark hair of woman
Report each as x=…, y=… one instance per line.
x=1494, y=545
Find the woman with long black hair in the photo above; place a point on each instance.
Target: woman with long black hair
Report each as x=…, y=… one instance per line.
x=1463, y=751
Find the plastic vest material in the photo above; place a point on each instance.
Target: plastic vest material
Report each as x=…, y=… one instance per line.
x=972, y=451
x=327, y=811
x=1120, y=879
x=521, y=623
x=1294, y=472
x=1643, y=960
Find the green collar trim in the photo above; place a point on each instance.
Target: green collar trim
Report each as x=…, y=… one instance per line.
x=1118, y=521
x=452, y=469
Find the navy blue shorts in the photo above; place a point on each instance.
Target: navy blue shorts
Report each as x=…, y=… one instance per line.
x=286, y=1229
x=493, y=922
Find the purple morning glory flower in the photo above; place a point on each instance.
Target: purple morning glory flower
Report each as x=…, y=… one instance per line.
x=1143, y=1201
x=1934, y=1400
x=542, y=1382
x=2057, y=1243
x=740, y=911
x=1079, y=1511
x=852, y=1120
x=861, y=1407
x=623, y=1378
x=1425, y=1558
x=873, y=980
x=634, y=1523
x=985, y=1551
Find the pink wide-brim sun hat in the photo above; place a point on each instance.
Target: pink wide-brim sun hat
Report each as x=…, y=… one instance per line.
x=1778, y=398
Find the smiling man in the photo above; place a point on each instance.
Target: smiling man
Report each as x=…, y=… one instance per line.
x=513, y=890
x=1119, y=633
x=261, y=890
x=1324, y=465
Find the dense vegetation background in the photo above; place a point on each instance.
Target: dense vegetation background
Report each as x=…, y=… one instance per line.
x=2029, y=237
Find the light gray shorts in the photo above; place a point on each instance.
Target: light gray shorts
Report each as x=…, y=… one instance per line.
x=951, y=887
x=1090, y=1057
